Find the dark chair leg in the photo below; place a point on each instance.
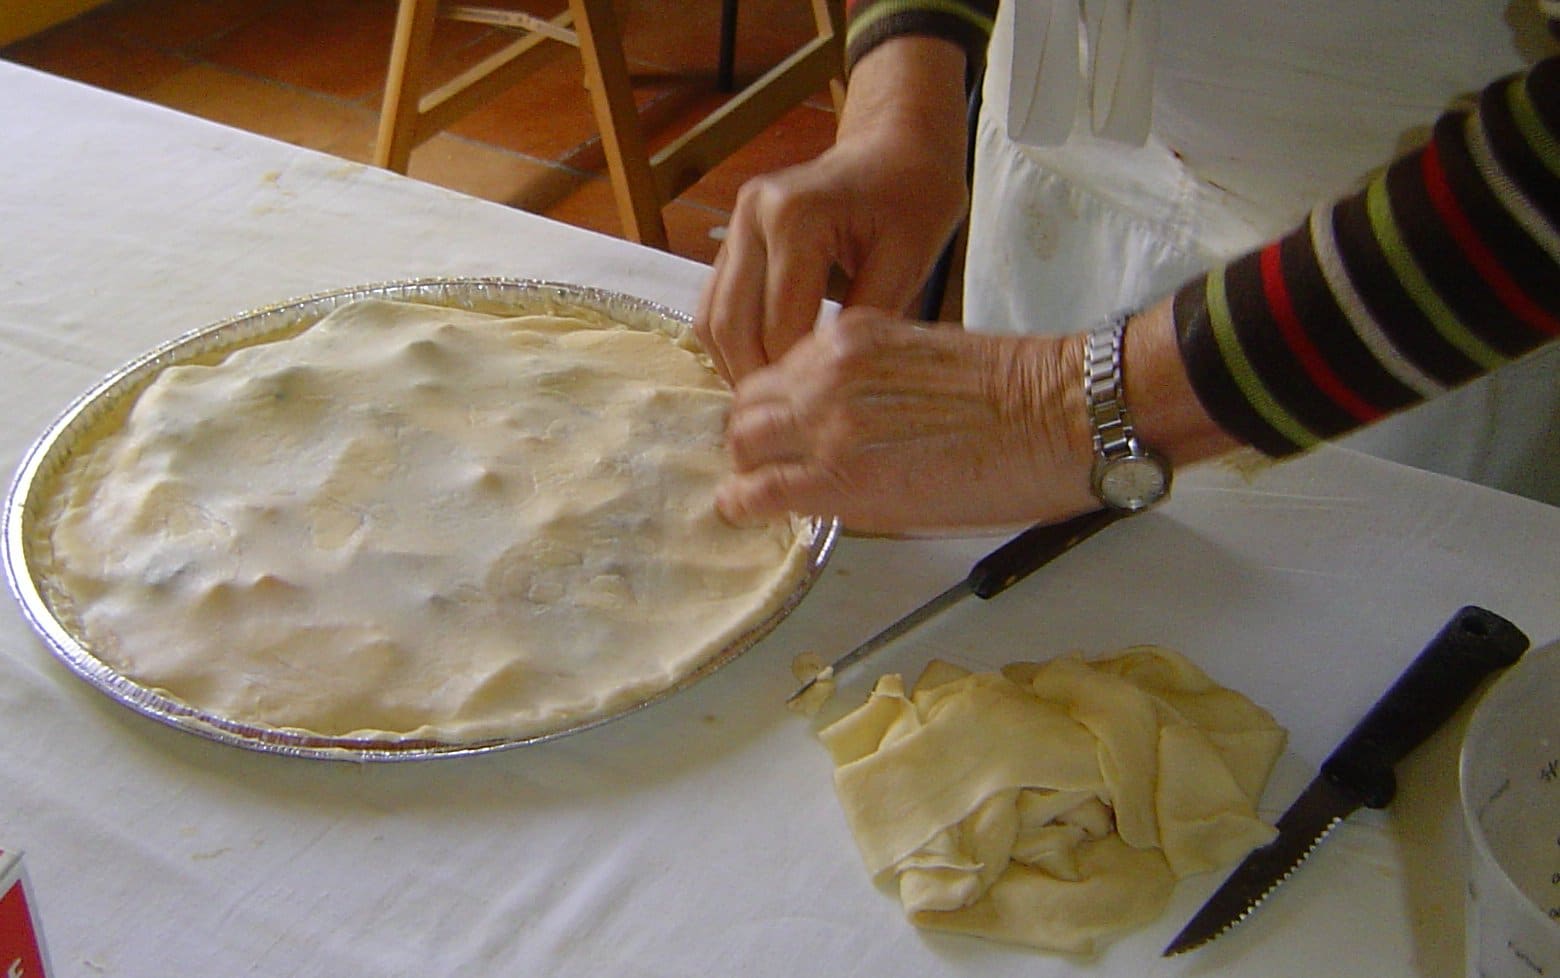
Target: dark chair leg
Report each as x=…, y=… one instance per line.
x=726, y=74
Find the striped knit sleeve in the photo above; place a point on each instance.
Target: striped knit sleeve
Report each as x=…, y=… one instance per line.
x=1444, y=268
x=965, y=22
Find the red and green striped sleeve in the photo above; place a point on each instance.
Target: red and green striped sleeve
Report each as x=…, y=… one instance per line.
x=965, y=22
x=1444, y=268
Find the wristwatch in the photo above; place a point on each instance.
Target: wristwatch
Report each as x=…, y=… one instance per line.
x=1127, y=475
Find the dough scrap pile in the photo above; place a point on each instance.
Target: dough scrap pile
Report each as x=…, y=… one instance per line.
x=419, y=522
x=1056, y=804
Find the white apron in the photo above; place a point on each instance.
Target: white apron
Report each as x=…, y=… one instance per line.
x=1196, y=130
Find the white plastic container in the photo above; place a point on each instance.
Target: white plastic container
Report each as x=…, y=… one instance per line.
x=1510, y=780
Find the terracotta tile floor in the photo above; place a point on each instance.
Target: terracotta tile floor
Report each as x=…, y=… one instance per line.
x=311, y=72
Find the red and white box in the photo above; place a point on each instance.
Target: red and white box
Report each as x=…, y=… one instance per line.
x=21, y=939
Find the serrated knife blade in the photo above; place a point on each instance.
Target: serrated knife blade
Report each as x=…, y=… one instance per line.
x=1473, y=644
x=1303, y=827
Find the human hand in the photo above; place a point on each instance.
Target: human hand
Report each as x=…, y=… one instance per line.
x=880, y=204
x=893, y=426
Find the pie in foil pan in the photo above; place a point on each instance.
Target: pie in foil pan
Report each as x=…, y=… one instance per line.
x=34, y=504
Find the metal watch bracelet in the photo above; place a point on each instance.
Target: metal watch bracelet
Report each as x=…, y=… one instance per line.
x=1126, y=475
x=1102, y=389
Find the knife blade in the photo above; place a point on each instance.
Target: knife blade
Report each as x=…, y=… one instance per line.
x=1359, y=772
x=989, y=577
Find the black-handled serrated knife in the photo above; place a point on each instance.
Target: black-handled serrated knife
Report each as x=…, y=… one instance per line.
x=991, y=575
x=1359, y=772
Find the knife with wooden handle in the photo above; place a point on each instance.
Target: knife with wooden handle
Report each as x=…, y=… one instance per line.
x=1359, y=772
x=991, y=575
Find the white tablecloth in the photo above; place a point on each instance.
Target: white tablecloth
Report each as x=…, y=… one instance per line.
x=700, y=836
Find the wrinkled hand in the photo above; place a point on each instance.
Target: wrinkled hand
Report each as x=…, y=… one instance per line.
x=893, y=426
x=880, y=204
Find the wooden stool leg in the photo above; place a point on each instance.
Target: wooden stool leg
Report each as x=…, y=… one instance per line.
x=398, y=116
x=726, y=70
x=612, y=97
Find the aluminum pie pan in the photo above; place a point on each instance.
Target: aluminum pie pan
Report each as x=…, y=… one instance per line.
x=46, y=606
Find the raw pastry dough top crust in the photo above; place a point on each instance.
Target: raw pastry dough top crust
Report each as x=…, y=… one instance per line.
x=419, y=522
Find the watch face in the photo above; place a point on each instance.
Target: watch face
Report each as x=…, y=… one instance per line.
x=1133, y=483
